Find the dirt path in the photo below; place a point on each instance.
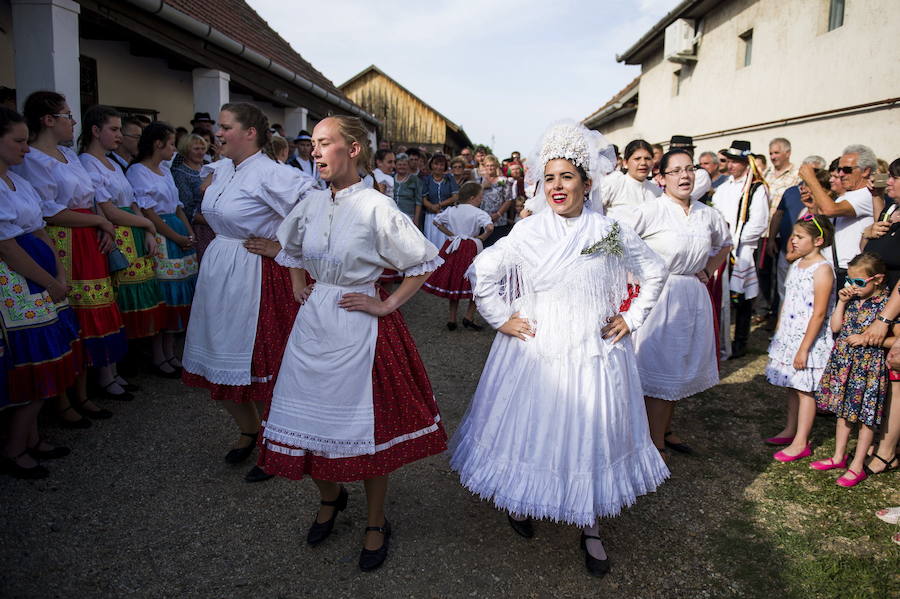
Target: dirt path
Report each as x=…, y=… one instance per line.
x=145, y=507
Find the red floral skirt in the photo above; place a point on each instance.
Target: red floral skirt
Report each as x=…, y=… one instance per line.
x=92, y=295
x=407, y=421
x=277, y=311
x=449, y=280
x=714, y=286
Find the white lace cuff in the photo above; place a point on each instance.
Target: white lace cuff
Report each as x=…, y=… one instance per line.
x=285, y=259
x=425, y=267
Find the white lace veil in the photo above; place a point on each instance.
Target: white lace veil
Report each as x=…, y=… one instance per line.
x=583, y=147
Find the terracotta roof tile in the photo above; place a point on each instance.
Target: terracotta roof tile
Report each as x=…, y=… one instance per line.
x=237, y=20
x=616, y=97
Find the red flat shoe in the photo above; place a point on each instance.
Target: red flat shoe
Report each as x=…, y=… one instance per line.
x=779, y=441
x=780, y=456
x=853, y=480
x=829, y=464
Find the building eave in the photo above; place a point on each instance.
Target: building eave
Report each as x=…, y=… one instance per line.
x=693, y=9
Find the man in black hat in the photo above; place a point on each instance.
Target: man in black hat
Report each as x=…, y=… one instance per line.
x=702, y=182
x=202, y=120
x=743, y=201
x=303, y=158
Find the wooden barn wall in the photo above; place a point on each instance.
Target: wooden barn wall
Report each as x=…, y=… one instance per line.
x=405, y=118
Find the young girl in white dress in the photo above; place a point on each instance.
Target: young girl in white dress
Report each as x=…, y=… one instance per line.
x=802, y=343
x=557, y=428
x=466, y=227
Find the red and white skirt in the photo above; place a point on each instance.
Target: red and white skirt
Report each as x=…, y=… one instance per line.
x=277, y=311
x=407, y=420
x=449, y=280
x=390, y=276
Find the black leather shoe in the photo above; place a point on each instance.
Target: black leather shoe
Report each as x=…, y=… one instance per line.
x=257, y=475
x=48, y=454
x=679, y=447
x=10, y=467
x=371, y=559
x=158, y=371
x=468, y=324
x=595, y=567
x=100, y=414
x=523, y=528
x=451, y=326
x=81, y=423
x=319, y=531
x=239, y=454
x=738, y=350
x=104, y=392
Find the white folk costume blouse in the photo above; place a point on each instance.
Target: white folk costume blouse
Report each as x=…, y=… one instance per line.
x=557, y=427
x=154, y=191
x=111, y=184
x=250, y=200
x=20, y=210
x=465, y=221
x=676, y=347
x=322, y=400
x=623, y=194
x=727, y=200
x=61, y=185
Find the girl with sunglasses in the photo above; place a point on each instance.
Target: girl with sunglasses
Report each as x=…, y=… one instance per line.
x=855, y=384
x=801, y=345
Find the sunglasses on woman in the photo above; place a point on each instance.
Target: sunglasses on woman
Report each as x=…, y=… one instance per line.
x=858, y=282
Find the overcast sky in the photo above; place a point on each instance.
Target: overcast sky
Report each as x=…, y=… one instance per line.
x=503, y=69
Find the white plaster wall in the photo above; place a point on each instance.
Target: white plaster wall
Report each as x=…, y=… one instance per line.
x=797, y=68
x=137, y=82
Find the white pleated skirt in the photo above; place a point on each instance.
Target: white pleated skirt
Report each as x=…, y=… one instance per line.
x=559, y=439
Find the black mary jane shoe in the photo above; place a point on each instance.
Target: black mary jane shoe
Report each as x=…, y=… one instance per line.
x=11, y=467
x=319, y=531
x=451, y=326
x=468, y=324
x=595, y=567
x=55, y=453
x=239, y=454
x=679, y=447
x=105, y=393
x=100, y=414
x=81, y=423
x=371, y=559
x=158, y=371
x=523, y=528
x=257, y=475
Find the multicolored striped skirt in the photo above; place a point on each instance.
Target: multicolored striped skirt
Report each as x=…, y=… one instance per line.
x=176, y=273
x=92, y=295
x=43, y=352
x=137, y=290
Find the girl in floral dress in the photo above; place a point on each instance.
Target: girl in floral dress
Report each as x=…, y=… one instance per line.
x=855, y=382
x=799, y=350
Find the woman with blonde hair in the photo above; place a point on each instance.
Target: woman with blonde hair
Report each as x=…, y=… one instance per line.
x=189, y=181
x=497, y=198
x=352, y=401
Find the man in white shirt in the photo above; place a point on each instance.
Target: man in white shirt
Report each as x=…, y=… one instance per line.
x=744, y=203
x=851, y=212
x=304, y=160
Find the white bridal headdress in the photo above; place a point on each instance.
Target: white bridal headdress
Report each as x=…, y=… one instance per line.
x=576, y=143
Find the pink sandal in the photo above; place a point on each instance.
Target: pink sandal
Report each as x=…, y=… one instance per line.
x=854, y=479
x=779, y=441
x=783, y=457
x=829, y=464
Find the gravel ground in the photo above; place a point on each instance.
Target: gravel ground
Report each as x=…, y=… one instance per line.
x=146, y=507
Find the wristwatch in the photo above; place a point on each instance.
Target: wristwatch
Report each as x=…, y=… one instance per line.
x=885, y=320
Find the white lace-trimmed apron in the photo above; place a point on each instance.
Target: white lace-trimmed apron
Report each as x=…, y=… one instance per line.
x=323, y=397
x=222, y=330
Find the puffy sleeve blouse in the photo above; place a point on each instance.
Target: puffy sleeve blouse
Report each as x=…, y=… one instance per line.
x=252, y=199
x=153, y=191
x=20, y=208
x=351, y=238
x=60, y=185
x=110, y=184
